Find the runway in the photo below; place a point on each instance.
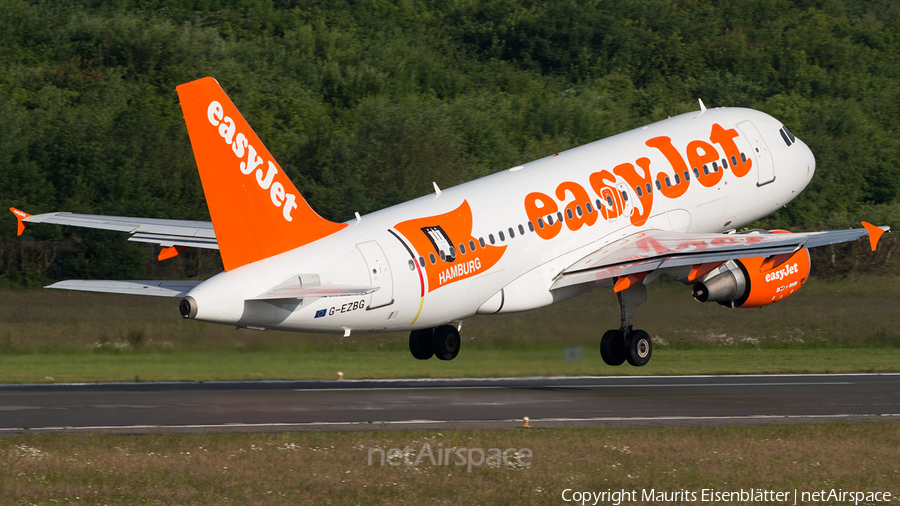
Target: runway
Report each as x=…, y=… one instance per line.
x=186, y=407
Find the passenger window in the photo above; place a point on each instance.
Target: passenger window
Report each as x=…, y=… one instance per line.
x=724, y=163
x=462, y=248
x=569, y=214
x=743, y=157
x=715, y=167
x=578, y=211
x=733, y=160
x=658, y=186
x=624, y=196
x=471, y=245
x=502, y=238
x=481, y=241
x=677, y=179
x=638, y=190
x=687, y=176
x=531, y=226
x=442, y=254
x=706, y=170
x=590, y=208
x=696, y=172
x=599, y=205
x=491, y=238
x=521, y=230
x=540, y=223
x=431, y=257
x=559, y=216
x=550, y=220
x=422, y=261
x=649, y=188
x=512, y=233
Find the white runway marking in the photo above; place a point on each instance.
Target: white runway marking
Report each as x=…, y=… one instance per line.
x=428, y=422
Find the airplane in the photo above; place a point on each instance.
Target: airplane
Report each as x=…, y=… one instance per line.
x=669, y=197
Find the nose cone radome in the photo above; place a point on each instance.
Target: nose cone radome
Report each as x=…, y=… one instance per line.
x=811, y=161
x=804, y=165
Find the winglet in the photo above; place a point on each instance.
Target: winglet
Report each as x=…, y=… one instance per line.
x=875, y=233
x=20, y=215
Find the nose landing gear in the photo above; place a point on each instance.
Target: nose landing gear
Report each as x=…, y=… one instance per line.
x=442, y=342
x=625, y=343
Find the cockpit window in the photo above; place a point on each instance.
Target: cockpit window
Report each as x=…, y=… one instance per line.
x=790, y=135
x=784, y=137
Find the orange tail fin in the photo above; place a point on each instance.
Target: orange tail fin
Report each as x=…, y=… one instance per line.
x=255, y=209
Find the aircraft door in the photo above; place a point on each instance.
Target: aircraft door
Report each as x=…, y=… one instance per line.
x=760, y=152
x=379, y=274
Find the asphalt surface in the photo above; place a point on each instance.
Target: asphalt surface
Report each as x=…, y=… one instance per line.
x=468, y=403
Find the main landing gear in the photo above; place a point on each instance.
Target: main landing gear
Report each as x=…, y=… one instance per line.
x=625, y=343
x=441, y=342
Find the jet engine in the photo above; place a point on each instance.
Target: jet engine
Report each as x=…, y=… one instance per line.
x=754, y=282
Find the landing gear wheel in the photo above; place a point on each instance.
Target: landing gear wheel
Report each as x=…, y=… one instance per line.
x=638, y=348
x=612, y=347
x=420, y=344
x=446, y=342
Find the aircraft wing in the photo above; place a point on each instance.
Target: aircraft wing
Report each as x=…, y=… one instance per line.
x=166, y=233
x=155, y=288
x=652, y=250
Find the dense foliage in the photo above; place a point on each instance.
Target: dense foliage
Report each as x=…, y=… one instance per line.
x=365, y=103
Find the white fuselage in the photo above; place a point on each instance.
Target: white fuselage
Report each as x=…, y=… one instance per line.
x=412, y=296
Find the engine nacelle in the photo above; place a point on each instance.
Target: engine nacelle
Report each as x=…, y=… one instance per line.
x=753, y=282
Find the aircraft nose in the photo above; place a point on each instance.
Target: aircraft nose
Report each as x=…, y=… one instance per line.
x=809, y=161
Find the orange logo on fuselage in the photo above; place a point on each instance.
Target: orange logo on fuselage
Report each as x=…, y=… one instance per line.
x=608, y=186
x=445, y=242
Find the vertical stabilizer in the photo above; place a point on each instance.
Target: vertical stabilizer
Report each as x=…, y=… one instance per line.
x=255, y=209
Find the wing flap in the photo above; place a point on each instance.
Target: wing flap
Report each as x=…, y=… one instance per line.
x=153, y=288
x=176, y=240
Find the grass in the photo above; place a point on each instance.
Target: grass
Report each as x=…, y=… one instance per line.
x=847, y=326
x=332, y=468
x=534, y=360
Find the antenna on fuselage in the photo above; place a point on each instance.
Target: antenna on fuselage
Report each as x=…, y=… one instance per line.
x=702, y=107
x=437, y=191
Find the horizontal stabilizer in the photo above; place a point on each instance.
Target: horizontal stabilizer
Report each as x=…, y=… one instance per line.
x=299, y=292
x=155, y=288
x=166, y=233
